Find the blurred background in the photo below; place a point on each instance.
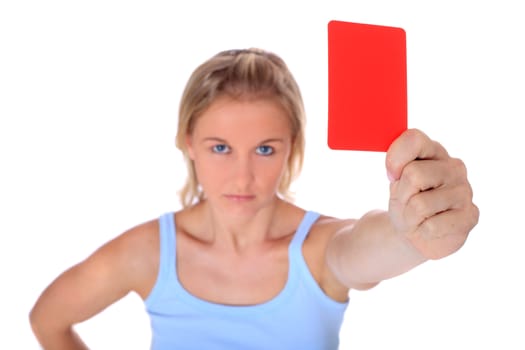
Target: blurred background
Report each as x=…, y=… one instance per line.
x=89, y=93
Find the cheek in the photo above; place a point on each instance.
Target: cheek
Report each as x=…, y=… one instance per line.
x=209, y=171
x=270, y=173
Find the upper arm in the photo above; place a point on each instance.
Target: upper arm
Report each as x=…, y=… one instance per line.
x=336, y=255
x=122, y=265
x=319, y=253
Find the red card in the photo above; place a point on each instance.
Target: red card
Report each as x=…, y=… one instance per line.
x=367, y=86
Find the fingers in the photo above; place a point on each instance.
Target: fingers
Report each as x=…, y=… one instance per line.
x=430, y=196
x=411, y=145
x=423, y=175
x=426, y=188
x=444, y=233
x=427, y=204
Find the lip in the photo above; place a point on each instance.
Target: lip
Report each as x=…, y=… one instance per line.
x=240, y=197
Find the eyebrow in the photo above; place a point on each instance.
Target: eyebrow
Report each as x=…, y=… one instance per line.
x=218, y=139
x=214, y=139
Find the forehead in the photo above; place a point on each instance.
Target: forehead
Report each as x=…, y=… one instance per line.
x=247, y=116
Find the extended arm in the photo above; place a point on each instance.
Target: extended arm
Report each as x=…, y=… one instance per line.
x=430, y=216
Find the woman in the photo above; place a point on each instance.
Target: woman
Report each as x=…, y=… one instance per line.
x=241, y=266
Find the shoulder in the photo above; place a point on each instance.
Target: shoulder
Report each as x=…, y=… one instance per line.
x=315, y=253
x=140, y=242
x=126, y=263
x=134, y=254
x=328, y=226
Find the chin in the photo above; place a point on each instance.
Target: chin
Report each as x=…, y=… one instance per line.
x=242, y=206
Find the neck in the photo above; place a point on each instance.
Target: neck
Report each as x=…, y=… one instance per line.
x=241, y=233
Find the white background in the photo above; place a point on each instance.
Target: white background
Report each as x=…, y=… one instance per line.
x=89, y=93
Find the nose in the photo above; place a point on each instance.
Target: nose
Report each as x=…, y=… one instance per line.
x=243, y=173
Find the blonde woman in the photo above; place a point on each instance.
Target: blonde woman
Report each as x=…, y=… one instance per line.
x=241, y=266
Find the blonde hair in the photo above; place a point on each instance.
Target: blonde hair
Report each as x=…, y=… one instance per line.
x=249, y=73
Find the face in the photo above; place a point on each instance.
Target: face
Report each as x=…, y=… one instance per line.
x=240, y=150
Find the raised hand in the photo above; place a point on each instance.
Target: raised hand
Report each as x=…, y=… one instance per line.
x=430, y=195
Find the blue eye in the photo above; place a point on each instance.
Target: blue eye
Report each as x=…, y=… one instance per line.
x=265, y=150
x=221, y=148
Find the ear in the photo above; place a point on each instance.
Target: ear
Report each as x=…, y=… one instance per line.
x=189, y=147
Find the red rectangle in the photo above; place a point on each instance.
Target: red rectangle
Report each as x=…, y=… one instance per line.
x=367, y=86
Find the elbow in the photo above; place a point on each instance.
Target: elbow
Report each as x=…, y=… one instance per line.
x=52, y=334
x=346, y=278
x=33, y=319
x=37, y=323
x=342, y=269
x=41, y=325
x=49, y=335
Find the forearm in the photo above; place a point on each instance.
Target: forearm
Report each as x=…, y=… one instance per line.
x=51, y=339
x=371, y=251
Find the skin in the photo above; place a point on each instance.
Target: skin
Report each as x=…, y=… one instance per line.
x=232, y=247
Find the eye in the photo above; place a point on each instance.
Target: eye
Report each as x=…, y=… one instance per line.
x=265, y=150
x=221, y=148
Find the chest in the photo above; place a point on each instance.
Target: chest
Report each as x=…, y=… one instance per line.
x=247, y=279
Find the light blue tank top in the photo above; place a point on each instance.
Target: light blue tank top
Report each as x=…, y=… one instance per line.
x=301, y=316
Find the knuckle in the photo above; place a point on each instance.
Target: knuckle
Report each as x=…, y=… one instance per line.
x=418, y=208
x=412, y=174
x=414, y=133
x=459, y=167
x=439, y=149
x=429, y=229
x=462, y=193
x=389, y=160
x=416, y=138
x=475, y=213
x=469, y=193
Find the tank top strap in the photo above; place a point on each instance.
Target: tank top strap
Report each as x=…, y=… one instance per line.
x=167, y=246
x=168, y=243
x=166, y=258
x=296, y=245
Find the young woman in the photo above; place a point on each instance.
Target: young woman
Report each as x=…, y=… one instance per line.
x=241, y=266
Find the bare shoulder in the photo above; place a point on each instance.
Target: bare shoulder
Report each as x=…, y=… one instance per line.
x=329, y=225
x=326, y=227
x=129, y=262
x=315, y=249
x=138, y=251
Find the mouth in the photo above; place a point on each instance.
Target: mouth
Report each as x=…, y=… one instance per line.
x=240, y=197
